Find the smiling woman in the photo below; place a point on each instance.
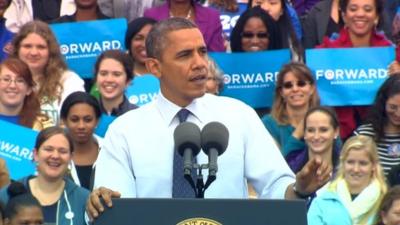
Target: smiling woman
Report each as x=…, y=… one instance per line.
x=18, y=101
x=62, y=201
x=254, y=31
x=353, y=197
x=361, y=18
x=295, y=94
x=36, y=45
x=113, y=74
x=321, y=131
x=135, y=38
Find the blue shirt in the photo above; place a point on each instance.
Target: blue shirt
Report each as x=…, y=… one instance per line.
x=283, y=135
x=136, y=158
x=11, y=119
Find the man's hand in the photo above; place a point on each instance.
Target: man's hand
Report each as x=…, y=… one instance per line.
x=94, y=206
x=310, y=178
x=393, y=68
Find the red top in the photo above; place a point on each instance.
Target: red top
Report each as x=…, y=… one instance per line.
x=349, y=115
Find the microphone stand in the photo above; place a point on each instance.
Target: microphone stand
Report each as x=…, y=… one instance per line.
x=200, y=187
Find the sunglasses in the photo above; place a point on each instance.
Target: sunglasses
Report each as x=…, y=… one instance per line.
x=249, y=35
x=290, y=84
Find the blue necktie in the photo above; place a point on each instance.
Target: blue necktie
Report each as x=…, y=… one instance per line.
x=181, y=187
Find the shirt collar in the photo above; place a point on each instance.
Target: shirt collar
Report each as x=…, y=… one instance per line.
x=168, y=110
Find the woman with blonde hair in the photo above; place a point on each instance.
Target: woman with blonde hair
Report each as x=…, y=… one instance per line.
x=36, y=45
x=355, y=194
x=295, y=94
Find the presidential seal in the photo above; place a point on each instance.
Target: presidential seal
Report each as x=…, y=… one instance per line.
x=199, y=221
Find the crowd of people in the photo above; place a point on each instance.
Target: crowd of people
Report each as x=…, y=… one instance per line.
x=343, y=161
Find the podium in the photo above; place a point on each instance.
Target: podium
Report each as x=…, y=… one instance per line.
x=141, y=211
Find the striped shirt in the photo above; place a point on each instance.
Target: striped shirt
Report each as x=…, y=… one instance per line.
x=388, y=147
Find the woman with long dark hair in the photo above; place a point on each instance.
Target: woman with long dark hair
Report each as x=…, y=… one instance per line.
x=383, y=123
x=255, y=30
x=288, y=24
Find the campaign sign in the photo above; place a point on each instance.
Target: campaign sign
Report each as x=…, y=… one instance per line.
x=251, y=76
x=104, y=122
x=349, y=76
x=229, y=19
x=16, y=148
x=143, y=89
x=82, y=42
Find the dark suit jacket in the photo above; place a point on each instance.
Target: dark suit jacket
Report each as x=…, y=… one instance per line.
x=316, y=23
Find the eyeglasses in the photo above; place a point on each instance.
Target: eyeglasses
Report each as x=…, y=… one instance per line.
x=290, y=84
x=7, y=81
x=261, y=35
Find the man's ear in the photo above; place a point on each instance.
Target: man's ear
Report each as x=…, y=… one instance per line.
x=153, y=66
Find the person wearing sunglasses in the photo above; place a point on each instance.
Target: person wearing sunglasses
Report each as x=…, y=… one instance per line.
x=295, y=94
x=289, y=26
x=18, y=102
x=254, y=31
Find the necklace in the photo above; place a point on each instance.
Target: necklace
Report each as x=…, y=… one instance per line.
x=187, y=16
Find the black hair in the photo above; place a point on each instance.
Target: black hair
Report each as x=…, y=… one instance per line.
x=269, y=23
x=134, y=27
x=289, y=33
x=19, y=197
x=119, y=56
x=79, y=97
x=379, y=5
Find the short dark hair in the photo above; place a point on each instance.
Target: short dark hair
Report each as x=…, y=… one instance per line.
x=19, y=197
x=379, y=5
x=119, y=56
x=157, y=37
x=79, y=97
x=49, y=132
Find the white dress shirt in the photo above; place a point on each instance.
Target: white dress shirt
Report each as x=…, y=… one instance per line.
x=137, y=154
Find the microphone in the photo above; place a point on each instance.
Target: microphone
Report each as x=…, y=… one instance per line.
x=187, y=143
x=214, y=141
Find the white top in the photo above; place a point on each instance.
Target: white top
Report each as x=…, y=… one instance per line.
x=71, y=82
x=20, y=12
x=137, y=153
